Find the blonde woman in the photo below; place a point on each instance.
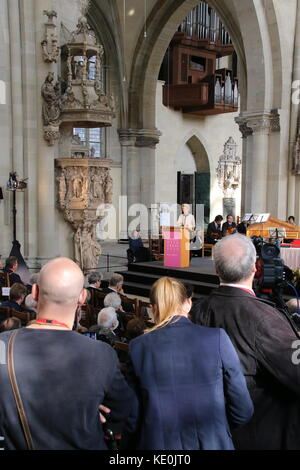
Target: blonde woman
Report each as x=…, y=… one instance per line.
x=188, y=377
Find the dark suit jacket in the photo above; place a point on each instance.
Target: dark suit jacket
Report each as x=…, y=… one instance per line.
x=263, y=338
x=14, y=305
x=211, y=228
x=13, y=277
x=182, y=372
x=63, y=414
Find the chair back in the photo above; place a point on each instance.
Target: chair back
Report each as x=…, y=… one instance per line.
x=133, y=302
x=144, y=310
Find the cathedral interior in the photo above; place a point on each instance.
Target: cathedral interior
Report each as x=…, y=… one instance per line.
x=118, y=107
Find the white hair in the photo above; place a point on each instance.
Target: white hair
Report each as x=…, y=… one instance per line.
x=112, y=300
x=107, y=318
x=34, y=278
x=235, y=257
x=30, y=303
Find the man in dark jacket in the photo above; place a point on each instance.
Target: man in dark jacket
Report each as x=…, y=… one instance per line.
x=11, y=265
x=17, y=295
x=264, y=339
x=116, y=285
x=214, y=232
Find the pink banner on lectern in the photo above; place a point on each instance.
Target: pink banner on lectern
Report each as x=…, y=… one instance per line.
x=172, y=249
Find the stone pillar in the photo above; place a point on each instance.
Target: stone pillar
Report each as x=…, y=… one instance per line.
x=16, y=107
x=257, y=161
x=246, y=163
x=277, y=172
x=140, y=155
x=123, y=209
x=30, y=118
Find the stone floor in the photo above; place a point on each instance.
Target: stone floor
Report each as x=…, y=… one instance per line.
x=117, y=260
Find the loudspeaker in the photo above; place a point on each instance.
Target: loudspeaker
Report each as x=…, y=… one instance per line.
x=1, y=193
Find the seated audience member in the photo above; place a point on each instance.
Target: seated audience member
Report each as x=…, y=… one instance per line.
x=140, y=253
x=33, y=280
x=17, y=294
x=107, y=324
x=135, y=328
x=69, y=376
x=11, y=265
x=229, y=227
x=114, y=300
x=189, y=288
x=191, y=374
x=11, y=323
x=214, y=232
x=94, y=280
x=30, y=304
x=263, y=338
x=116, y=285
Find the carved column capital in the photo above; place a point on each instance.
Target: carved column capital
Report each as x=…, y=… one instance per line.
x=244, y=129
x=139, y=137
x=263, y=123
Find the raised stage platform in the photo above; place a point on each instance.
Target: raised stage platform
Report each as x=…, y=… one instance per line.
x=201, y=274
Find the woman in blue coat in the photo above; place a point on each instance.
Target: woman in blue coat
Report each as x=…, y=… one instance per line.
x=188, y=377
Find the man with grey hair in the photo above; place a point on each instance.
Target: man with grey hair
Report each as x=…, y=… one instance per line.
x=263, y=337
x=107, y=318
x=116, y=285
x=94, y=280
x=107, y=324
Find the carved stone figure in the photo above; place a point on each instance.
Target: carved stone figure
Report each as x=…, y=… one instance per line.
x=62, y=189
x=91, y=250
x=108, y=189
x=97, y=186
x=51, y=101
x=77, y=188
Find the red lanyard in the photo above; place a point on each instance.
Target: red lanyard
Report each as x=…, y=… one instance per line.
x=43, y=321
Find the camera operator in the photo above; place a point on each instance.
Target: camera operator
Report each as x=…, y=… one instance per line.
x=263, y=338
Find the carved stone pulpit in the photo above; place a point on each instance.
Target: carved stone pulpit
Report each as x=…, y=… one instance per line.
x=83, y=185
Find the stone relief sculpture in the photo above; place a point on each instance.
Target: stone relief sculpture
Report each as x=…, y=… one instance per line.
x=51, y=108
x=229, y=169
x=87, y=249
x=82, y=186
x=50, y=47
x=51, y=101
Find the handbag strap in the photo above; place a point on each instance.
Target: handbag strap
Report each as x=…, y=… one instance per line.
x=16, y=392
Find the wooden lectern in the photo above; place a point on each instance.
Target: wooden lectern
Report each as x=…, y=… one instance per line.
x=177, y=247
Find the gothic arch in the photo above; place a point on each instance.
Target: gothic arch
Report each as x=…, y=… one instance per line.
x=253, y=30
x=197, y=144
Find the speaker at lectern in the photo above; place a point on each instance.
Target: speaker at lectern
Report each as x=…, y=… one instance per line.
x=176, y=247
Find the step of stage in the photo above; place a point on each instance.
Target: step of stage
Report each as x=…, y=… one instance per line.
x=141, y=276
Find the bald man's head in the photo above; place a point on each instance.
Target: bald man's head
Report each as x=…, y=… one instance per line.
x=235, y=258
x=60, y=282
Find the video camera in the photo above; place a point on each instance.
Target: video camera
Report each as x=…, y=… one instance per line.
x=272, y=274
